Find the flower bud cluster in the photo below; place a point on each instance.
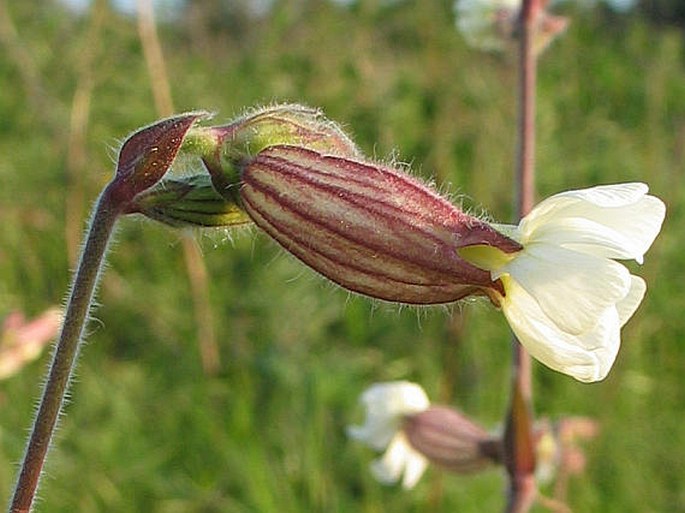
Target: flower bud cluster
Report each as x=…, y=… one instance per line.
x=370, y=228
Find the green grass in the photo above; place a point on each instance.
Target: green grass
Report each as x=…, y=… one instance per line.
x=148, y=431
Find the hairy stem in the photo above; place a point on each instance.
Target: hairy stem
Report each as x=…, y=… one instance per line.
x=66, y=351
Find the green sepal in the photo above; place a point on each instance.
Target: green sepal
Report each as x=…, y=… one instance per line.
x=189, y=202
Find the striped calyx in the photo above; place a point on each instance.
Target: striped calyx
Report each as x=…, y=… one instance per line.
x=369, y=228
x=451, y=440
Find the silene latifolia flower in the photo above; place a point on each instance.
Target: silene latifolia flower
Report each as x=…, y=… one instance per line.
x=401, y=421
x=566, y=298
x=387, y=406
x=378, y=231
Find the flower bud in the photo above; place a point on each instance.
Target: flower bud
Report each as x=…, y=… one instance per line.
x=147, y=154
x=370, y=228
x=451, y=440
x=188, y=202
x=225, y=148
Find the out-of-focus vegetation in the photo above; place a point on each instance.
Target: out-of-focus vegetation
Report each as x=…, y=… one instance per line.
x=148, y=429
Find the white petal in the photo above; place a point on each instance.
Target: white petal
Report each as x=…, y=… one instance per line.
x=587, y=357
x=615, y=221
x=373, y=433
x=395, y=398
x=611, y=195
x=388, y=468
x=386, y=405
x=623, y=233
x=415, y=467
x=572, y=289
x=399, y=459
x=603, y=196
x=627, y=306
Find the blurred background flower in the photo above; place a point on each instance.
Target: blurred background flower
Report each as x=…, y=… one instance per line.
x=492, y=24
x=401, y=422
x=22, y=341
x=387, y=406
x=412, y=433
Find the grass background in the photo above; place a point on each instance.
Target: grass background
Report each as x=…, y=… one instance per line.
x=148, y=429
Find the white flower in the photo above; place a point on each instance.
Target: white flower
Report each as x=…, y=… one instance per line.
x=566, y=298
x=492, y=24
x=387, y=405
x=487, y=24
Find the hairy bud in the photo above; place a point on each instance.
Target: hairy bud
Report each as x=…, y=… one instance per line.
x=224, y=149
x=370, y=228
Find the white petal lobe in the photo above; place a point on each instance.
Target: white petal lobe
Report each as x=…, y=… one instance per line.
x=387, y=405
x=572, y=289
x=627, y=306
x=566, y=297
x=587, y=357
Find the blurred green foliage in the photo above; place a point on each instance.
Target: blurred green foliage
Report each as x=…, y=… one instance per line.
x=149, y=431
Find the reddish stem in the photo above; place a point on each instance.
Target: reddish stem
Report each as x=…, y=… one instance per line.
x=105, y=215
x=519, y=445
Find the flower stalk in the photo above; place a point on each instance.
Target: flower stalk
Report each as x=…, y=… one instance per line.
x=143, y=160
x=107, y=212
x=519, y=452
